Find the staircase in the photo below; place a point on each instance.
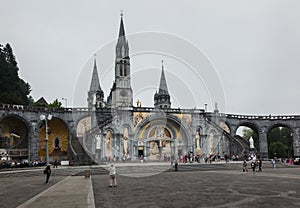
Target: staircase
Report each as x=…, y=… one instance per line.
x=241, y=144
x=80, y=156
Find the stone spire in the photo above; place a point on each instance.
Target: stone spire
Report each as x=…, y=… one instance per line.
x=95, y=94
x=163, y=88
x=121, y=30
x=121, y=93
x=122, y=49
x=162, y=98
x=95, y=84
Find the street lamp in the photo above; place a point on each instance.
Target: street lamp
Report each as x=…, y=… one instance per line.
x=46, y=119
x=66, y=100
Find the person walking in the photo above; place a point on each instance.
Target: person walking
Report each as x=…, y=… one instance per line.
x=274, y=163
x=47, y=171
x=245, y=169
x=253, y=166
x=55, y=164
x=112, y=176
x=176, y=165
x=259, y=165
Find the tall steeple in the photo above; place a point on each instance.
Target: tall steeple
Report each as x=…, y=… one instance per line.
x=122, y=49
x=95, y=84
x=95, y=94
x=162, y=98
x=121, y=94
x=121, y=30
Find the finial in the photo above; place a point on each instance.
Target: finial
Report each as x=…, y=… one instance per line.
x=162, y=63
x=121, y=13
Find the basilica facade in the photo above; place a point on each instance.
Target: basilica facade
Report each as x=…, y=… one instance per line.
x=120, y=128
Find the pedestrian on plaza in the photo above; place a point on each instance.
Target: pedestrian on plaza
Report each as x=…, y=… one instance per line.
x=274, y=163
x=245, y=169
x=253, y=166
x=55, y=164
x=176, y=165
x=259, y=165
x=112, y=176
x=47, y=172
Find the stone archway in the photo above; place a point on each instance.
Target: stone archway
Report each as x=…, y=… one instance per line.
x=58, y=140
x=14, y=138
x=280, y=140
x=167, y=134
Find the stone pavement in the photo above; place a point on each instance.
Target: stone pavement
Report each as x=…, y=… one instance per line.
x=199, y=188
x=73, y=191
x=220, y=188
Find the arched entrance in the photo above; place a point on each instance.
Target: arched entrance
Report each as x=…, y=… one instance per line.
x=13, y=139
x=57, y=143
x=280, y=141
x=161, y=138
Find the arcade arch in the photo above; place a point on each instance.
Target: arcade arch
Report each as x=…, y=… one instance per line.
x=247, y=131
x=57, y=143
x=14, y=141
x=280, y=141
x=162, y=137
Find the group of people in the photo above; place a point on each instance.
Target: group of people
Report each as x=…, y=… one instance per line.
x=255, y=162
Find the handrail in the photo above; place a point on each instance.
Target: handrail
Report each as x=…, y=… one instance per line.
x=226, y=134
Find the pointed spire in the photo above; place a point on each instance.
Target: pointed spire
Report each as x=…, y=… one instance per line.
x=95, y=84
x=162, y=98
x=122, y=30
x=163, y=88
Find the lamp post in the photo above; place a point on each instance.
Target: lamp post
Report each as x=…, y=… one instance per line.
x=66, y=100
x=46, y=119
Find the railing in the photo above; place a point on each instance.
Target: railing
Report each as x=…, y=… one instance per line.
x=253, y=117
x=148, y=109
x=37, y=108
x=226, y=134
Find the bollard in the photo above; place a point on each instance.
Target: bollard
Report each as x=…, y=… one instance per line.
x=87, y=173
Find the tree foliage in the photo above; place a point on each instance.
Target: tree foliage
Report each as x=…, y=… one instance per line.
x=55, y=104
x=279, y=148
x=13, y=89
x=284, y=136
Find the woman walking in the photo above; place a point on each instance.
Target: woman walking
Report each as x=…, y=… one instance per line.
x=47, y=171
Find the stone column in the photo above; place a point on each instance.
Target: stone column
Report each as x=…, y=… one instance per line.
x=33, y=144
x=296, y=141
x=263, y=143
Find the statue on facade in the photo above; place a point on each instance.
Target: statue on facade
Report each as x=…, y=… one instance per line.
x=125, y=141
x=212, y=144
x=108, y=145
x=98, y=142
x=198, y=139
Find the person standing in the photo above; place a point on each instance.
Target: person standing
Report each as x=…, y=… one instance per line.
x=253, y=166
x=259, y=165
x=245, y=169
x=274, y=163
x=47, y=171
x=112, y=176
x=176, y=165
x=55, y=164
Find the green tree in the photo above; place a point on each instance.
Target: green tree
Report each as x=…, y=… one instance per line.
x=55, y=104
x=279, y=148
x=283, y=135
x=13, y=89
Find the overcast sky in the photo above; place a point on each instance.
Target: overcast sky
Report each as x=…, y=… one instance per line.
x=252, y=50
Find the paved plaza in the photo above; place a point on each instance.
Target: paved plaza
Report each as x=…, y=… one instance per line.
x=209, y=188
